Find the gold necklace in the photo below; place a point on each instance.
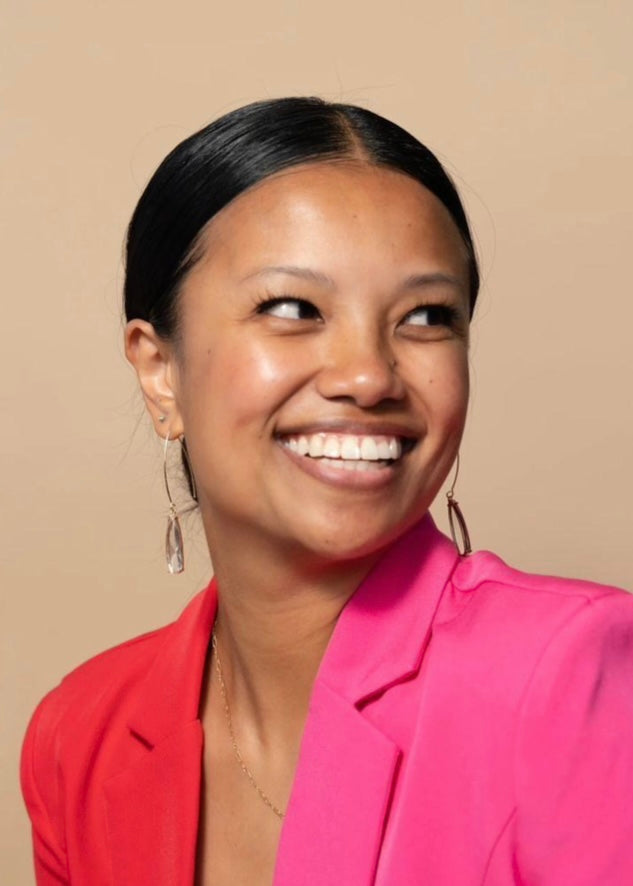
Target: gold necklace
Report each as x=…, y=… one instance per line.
x=247, y=772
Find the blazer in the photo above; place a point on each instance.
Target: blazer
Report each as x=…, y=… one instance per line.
x=470, y=725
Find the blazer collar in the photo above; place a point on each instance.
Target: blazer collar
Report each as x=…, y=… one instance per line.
x=152, y=805
x=347, y=766
x=383, y=630
x=171, y=693
x=391, y=614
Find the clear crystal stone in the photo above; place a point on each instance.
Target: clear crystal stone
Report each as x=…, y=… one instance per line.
x=173, y=546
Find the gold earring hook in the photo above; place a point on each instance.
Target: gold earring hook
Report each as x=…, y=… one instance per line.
x=172, y=504
x=194, y=488
x=457, y=523
x=451, y=492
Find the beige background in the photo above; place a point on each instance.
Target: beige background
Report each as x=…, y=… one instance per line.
x=528, y=103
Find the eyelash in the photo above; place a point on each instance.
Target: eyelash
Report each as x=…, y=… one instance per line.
x=450, y=316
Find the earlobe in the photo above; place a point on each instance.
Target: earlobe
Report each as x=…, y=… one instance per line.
x=153, y=359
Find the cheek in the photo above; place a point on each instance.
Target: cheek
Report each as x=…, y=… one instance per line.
x=444, y=390
x=242, y=381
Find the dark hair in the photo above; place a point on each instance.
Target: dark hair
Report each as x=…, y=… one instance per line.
x=212, y=167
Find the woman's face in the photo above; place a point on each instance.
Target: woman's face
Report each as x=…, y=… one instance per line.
x=322, y=376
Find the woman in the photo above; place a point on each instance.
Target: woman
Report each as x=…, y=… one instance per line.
x=350, y=701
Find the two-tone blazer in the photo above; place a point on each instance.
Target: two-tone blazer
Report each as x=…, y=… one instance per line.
x=470, y=725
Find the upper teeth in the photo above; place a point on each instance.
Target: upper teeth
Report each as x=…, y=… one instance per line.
x=348, y=447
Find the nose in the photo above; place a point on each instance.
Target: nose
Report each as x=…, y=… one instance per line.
x=361, y=369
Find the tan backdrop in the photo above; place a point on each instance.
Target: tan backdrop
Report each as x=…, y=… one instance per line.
x=529, y=104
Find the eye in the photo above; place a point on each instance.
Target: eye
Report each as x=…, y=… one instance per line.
x=432, y=315
x=289, y=308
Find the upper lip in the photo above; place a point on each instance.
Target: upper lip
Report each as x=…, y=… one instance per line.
x=380, y=428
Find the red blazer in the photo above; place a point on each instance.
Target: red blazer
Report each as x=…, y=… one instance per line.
x=469, y=726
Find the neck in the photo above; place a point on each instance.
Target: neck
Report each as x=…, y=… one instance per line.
x=275, y=618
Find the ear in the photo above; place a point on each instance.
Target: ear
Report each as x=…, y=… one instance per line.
x=155, y=362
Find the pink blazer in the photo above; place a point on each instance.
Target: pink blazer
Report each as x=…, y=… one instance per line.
x=470, y=725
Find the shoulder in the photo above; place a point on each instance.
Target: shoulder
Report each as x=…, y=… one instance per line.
x=93, y=699
x=102, y=679
x=508, y=630
x=485, y=570
x=569, y=650
x=97, y=697
x=67, y=731
x=79, y=735
x=95, y=692
x=490, y=588
x=101, y=693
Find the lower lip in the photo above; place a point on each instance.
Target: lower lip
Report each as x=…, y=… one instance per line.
x=374, y=478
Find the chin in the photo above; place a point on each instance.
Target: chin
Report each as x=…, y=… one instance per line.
x=344, y=543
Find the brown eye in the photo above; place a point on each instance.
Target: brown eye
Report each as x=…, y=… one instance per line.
x=432, y=315
x=287, y=308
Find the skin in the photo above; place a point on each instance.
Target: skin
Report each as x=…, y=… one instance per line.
x=373, y=351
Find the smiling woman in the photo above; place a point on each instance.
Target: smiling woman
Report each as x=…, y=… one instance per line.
x=368, y=270
x=350, y=700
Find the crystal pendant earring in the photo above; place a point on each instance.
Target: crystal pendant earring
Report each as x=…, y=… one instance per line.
x=457, y=523
x=174, y=551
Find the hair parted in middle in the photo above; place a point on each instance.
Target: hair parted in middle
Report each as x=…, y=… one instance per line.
x=212, y=167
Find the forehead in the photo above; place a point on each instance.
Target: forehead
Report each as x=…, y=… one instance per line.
x=342, y=214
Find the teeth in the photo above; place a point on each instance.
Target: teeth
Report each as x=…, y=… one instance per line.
x=369, y=449
x=316, y=445
x=346, y=450
x=351, y=465
x=350, y=448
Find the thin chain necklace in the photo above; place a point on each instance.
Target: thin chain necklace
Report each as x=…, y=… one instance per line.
x=247, y=772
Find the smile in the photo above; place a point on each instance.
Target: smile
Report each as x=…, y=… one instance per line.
x=349, y=452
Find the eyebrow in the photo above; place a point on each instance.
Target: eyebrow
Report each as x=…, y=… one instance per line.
x=295, y=271
x=414, y=281
x=417, y=281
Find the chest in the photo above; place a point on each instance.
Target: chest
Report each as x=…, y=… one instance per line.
x=234, y=845
x=238, y=831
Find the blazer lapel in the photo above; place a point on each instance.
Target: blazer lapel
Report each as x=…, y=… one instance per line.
x=348, y=768
x=152, y=813
x=152, y=805
x=333, y=826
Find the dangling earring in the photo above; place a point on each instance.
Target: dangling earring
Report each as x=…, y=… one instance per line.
x=191, y=480
x=174, y=551
x=455, y=517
